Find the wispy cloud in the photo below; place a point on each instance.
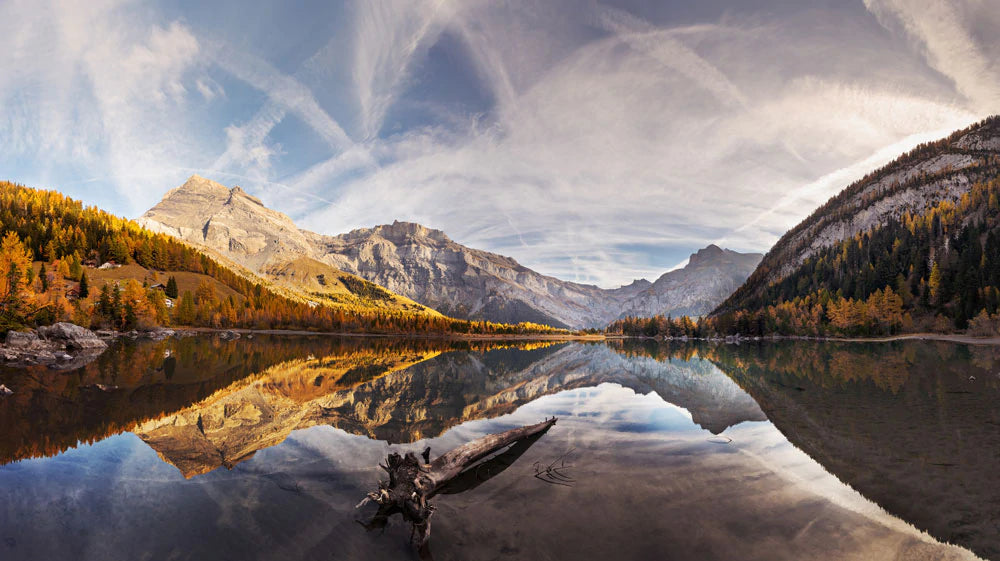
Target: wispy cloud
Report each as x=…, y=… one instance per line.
x=389, y=36
x=943, y=30
x=284, y=91
x=592, y=141
x=621, y=132
x=671, y=53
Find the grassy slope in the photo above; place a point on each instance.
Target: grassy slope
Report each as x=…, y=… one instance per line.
x=313, y=280
x=185, y=281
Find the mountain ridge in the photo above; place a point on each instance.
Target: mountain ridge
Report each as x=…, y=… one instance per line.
x=241, y=230
x=426, y=265
x=911, y=246
x=912, y=183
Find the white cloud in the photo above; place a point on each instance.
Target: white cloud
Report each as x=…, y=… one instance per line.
x=388, y=36
x=98, y=89
x=635, y=138
x=611, y=145
x=943, y=29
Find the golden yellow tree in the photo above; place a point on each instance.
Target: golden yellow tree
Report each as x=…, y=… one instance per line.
x=934, y=283
x=16, y=295
x=135, y=306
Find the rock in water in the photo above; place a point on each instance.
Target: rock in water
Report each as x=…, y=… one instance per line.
x=45, y=356
x=73, y=336
x=159, y=334
x=22, y=339
x=5, y=391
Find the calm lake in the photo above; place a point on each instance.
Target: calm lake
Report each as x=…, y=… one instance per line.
x=198, y=448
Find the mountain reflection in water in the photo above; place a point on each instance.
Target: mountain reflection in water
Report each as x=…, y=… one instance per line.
x=302, y=423
x=913, y=426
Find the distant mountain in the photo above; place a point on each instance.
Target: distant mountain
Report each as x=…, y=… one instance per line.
x=711, y=275
x=429, y=267
x=425, y=265
x=926, y=227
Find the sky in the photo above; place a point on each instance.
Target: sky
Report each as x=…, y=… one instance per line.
x=593, y=141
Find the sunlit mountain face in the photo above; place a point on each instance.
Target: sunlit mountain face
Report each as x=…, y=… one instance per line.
x=280, y=437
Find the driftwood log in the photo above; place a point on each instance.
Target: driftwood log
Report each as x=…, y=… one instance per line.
x=412, y=483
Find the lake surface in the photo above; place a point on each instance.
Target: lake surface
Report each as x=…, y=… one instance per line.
x=198, y=448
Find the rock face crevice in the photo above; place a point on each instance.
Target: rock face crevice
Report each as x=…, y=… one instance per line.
x=427, y=266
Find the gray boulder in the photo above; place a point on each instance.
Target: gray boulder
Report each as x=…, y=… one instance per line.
x=229, y=335
x=73, y=336
x=159, y=334
x=22, y=339
x=5, y=391
x=45, y=356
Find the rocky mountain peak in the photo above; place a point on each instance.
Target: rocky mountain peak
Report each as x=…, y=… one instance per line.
x=228, y=221
x=198, y=185
x=638, y=283
x=398, y=233
x=401, y=231
x=711, y=274
x=238, y=193
x=706, y=254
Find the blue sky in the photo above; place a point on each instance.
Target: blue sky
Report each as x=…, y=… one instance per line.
x=593, y=141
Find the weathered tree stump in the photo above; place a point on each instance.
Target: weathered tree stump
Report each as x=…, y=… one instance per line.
x=413, y=483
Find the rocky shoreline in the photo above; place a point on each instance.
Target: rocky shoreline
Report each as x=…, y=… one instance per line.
x=64, y=346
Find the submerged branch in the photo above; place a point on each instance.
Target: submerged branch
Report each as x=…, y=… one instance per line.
x=412, y=482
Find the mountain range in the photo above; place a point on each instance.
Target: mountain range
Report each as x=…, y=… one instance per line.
x=425, y=265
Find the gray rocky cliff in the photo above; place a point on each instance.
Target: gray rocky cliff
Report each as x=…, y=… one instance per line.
x=711, y=275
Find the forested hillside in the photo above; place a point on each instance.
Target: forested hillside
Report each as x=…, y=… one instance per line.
x=939, y=270
x=52, y=245
x=936, y=271
x=913, y=246
x=913, y=184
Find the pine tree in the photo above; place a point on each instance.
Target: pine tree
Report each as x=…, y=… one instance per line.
x=104, y=305
x=84, y=286
x=186, y=309
x=171, y=290
x=75, y=268
x=43, y=277
x=116, y=307
x=15, y=292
